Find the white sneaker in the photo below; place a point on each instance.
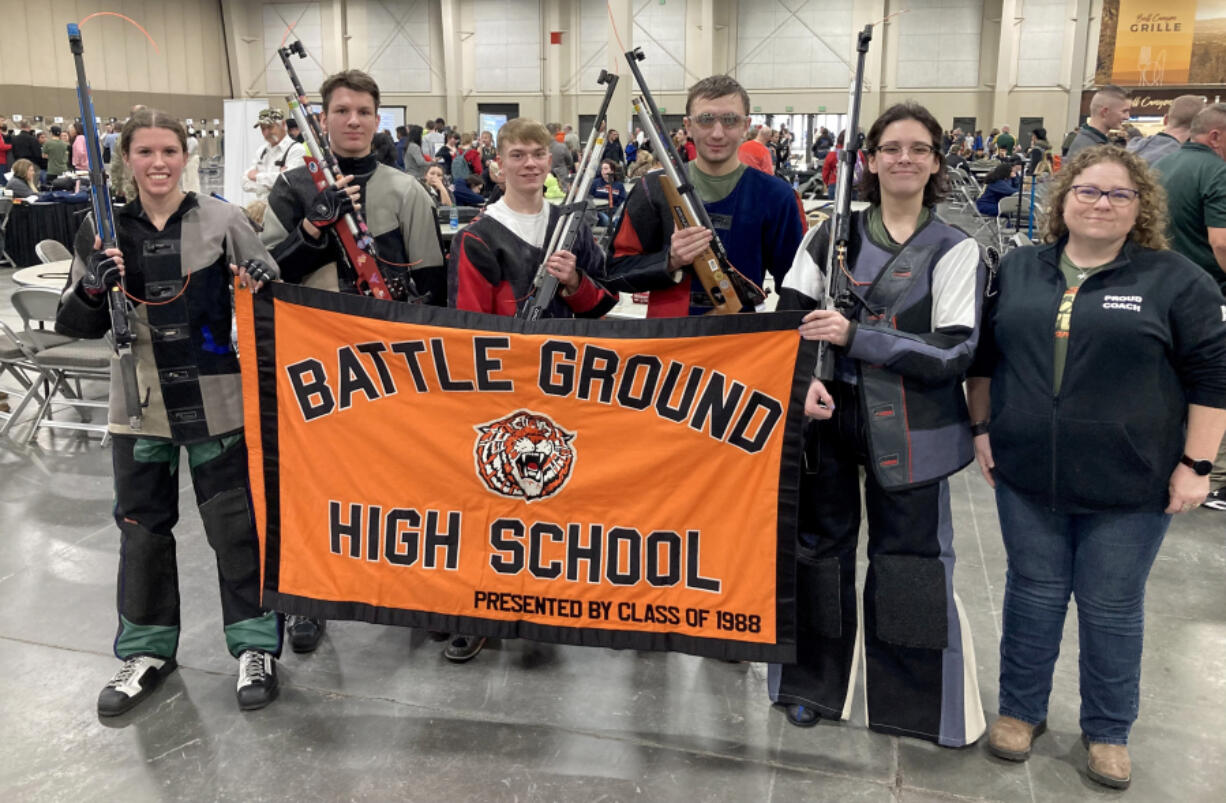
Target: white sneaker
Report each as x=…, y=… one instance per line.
x=257, y=679
x=134, y=681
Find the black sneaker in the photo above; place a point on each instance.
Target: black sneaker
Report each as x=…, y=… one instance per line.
x=305, y=632
x=1216, y=500
x=257, y=679
x=802, y=716
x=463, y=648
x=135, y=680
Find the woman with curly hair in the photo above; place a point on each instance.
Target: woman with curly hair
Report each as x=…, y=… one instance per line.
x=1102, y=376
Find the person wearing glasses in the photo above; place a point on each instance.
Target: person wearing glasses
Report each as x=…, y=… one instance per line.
x=1087, y=477
x=755, y=215
x=896, y=407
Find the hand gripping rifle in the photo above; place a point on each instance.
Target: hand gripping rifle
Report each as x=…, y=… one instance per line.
x=357, y=244
x=544, y=285
x=728, y=289
x=104, y=224
x=838, y=293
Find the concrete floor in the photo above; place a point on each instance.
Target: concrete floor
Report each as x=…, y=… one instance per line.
x=377, y=714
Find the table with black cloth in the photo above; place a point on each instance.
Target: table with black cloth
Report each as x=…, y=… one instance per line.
x=29, y=224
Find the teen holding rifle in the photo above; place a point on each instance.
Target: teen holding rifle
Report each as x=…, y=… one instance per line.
x=755, y=225
x=172, y=256
x=900, y=340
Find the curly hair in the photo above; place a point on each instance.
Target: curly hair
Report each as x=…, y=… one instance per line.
x=1150, y=229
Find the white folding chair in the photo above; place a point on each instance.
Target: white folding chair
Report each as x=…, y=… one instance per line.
x=51, y=251
x=61, y=363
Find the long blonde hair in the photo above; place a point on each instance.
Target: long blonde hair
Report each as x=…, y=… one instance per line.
x=1150, y=229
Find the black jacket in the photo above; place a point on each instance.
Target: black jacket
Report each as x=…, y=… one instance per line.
x=25, y=146
x=1147, y=338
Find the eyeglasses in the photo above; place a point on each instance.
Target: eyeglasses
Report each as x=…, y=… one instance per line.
x=1089, y=194
x=919, y=150
x=727, y=120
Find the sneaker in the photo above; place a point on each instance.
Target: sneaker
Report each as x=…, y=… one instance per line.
x=304, y=632
x=1108, y=764
x=1216, y=500
x=134, y=681
x=463, y=648
x=802, y=716
x=1010, y=738
x=257, y=679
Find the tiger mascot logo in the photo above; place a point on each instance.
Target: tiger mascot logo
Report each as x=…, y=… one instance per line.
x=524, y=455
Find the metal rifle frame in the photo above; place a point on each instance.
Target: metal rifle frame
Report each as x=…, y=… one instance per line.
x=837, y=294
x=104, y=223
x=356, y=241
x=545, y=286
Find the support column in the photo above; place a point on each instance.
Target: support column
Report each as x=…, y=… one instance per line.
x=703, y=62
x=452, y=90
x=1077, y=69
x=551, y=72
x=1006, y=66
x=621, y=111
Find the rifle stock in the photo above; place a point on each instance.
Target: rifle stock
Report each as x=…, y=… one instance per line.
x=706, y=266
x=104, y=223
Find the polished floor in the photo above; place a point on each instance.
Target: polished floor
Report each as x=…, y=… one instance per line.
x=377, y=714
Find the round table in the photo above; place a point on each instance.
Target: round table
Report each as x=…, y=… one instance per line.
x=53, y=275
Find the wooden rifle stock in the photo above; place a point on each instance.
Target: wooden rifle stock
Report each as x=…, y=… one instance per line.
x=706, y=266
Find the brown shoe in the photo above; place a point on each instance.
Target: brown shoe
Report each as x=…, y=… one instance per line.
x=1108, y=764
x=1011, y=738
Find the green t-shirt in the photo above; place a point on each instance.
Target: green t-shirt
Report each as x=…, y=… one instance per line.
x=1195, y=181
x=714, y=188
x=1073, y=277
x=56, y=151
x=880, y=235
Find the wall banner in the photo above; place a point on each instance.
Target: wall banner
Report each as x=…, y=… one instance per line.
x=626, y=484
x=1151, y=43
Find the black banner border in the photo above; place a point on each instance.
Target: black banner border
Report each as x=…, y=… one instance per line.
x=585, y=635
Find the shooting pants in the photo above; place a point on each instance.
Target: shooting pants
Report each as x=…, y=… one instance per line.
x=912, y=639
x=147, y=509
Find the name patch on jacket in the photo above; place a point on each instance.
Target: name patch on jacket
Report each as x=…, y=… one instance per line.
x=603, y=483
x=1132, y=303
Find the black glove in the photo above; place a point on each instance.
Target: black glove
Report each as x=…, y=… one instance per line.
x=329, y=205
x=258, y=271
x=101, y=271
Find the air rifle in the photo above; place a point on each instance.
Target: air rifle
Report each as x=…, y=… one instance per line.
x=728, y=289
x=544, y=285
x=837, y=294
x=357, y=244
x=104, y=225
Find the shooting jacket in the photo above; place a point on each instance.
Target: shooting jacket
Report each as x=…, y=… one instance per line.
x=185, y=359
x=400, y=216
x=913, y=336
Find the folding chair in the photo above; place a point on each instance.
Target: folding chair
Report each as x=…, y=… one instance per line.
x=16, y=360
x=51, y=251
x=59, y=361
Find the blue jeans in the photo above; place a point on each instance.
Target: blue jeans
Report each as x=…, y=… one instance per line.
x=1103, y=559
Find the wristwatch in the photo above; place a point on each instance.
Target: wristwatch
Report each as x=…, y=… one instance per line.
x=979, y=428
x=1201, y=467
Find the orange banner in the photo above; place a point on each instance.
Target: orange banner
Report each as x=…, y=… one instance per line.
x=607, y=483
x=1153, y=42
